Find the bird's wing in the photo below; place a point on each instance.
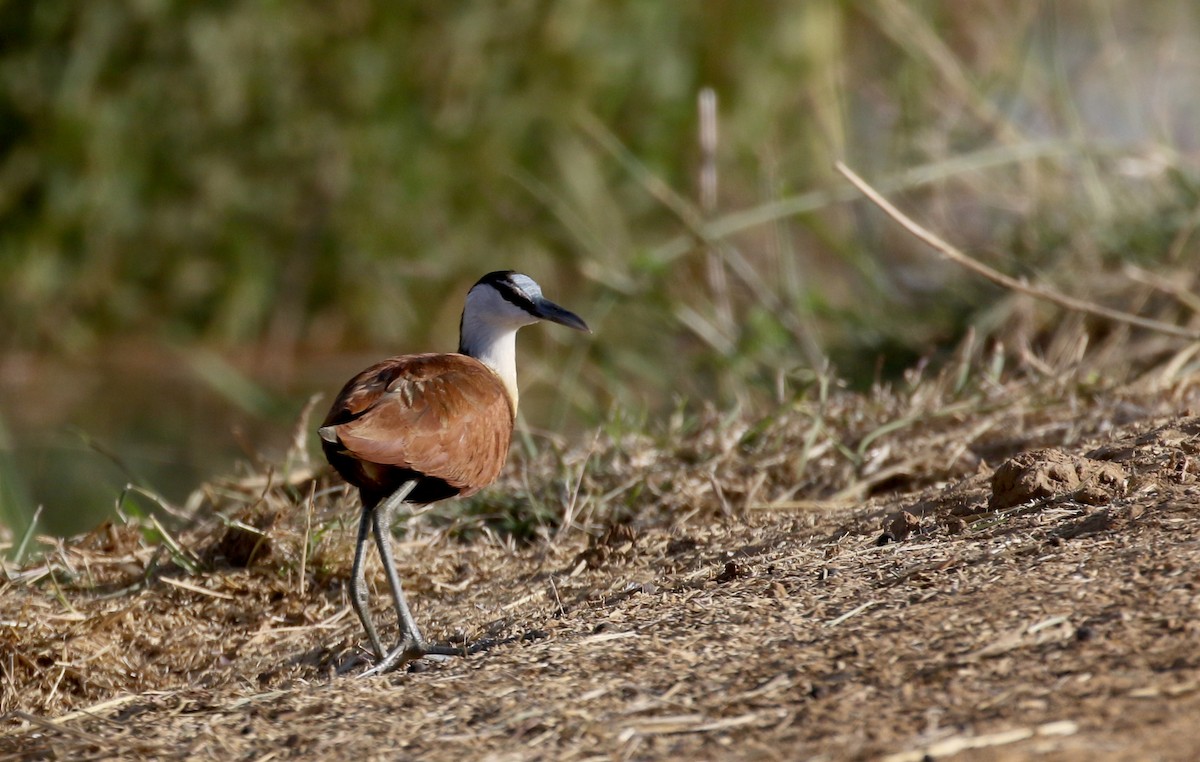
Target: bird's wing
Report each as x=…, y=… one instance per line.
x=445, y=416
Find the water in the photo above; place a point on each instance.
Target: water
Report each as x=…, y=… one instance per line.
x=79, y=431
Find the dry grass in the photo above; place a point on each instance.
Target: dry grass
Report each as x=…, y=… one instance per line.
x=827, y=576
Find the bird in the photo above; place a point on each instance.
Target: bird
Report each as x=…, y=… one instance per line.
x=420, y=428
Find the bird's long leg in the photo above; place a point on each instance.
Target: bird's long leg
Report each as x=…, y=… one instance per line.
x=358, y=587
x=382, y=521
x=410, y=645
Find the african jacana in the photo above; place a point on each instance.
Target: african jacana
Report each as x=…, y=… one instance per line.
x=421, y=428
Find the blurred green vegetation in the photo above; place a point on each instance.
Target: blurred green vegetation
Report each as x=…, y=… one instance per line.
x=289, y=182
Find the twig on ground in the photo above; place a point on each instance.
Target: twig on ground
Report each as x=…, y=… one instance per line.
x=951, y=746
x=851, y=613
x=308, y=512
x=197, y=589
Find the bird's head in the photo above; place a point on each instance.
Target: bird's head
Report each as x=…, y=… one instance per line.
x=497, y=307
x=502, y=302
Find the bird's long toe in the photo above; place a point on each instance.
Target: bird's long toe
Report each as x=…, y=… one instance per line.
x=411, y=649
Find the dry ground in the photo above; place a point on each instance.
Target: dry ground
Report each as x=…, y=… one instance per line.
x=700, y=602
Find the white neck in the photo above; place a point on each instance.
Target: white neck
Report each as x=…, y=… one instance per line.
x=496, y=347
x=488, y=333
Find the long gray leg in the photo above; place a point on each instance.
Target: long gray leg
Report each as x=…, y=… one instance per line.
x=411, y=645
x=358, y=584
x=382, y=524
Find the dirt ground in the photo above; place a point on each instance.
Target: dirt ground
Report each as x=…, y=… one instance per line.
x=1033, y=596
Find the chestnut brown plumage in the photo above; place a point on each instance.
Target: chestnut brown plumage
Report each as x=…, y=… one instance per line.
x=413, y=417
x=426, y=427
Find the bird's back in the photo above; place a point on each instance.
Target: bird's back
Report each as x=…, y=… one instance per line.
x=443, y=419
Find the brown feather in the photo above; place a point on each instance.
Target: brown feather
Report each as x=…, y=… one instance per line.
x=444, y=419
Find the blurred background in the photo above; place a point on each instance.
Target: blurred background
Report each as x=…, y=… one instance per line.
x=210, y=211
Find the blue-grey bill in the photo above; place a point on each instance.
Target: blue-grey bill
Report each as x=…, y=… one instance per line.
x=548, y=310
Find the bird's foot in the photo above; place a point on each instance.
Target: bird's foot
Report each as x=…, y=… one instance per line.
x=411, y=649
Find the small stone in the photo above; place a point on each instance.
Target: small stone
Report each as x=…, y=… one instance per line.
x=731, y=572
x=902, y=525
x=1048, y=473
